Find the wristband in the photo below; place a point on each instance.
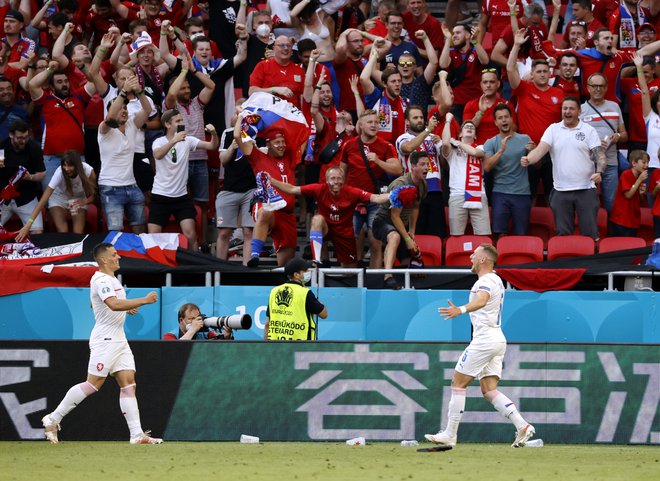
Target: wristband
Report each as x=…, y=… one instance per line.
x=318, y=87
x=479, y=113
x=427, y=130
x=513, y=14
x=272, y=91
x=103, y=49
x=463, y=309
x=30, y=220
x=164, y=34
x=184, y=70
x=31, y=66
x=639, y=70
x=408, y=238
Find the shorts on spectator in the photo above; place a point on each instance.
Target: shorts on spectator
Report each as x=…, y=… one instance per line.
x=364, y=214
x=381, y=230
x=57, y=200
x=198, y=180
x=284, y=231
x=227, y=207
x=23, y=212
x=163, y=207
x=458, y=216
x=116, y=201
x=345, y=246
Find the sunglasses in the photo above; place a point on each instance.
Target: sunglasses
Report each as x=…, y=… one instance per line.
x=489, y=70
x=407, y=64
x=579, y=22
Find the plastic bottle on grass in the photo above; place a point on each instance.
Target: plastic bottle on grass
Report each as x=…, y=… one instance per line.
x=409, y=443
x=356, y=442
x=534, y=443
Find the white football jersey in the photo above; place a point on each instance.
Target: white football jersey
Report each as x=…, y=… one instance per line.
x=487, y=321
x=109, y=324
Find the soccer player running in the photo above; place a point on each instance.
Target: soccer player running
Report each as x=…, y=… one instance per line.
x=483, y=357
x=109, y=349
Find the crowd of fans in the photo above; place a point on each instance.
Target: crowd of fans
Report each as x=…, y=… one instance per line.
x=133, y=105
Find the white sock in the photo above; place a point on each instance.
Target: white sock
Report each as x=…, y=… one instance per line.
x=129, y=408
x=455, y=411
x=506, y=408
x=72, y=398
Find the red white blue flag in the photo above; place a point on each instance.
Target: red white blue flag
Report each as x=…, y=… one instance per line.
x=160, y=248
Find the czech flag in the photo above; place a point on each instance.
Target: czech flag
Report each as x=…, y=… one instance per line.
x=159, y=248
x=26, y=253
x=263, y=112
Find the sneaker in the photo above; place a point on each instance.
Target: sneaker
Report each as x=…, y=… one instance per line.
x=441, y=438
x=51, y=428
x=144, y=438
x=253, y=262
x=235, y=244
x=523, y=435
x=391, y=283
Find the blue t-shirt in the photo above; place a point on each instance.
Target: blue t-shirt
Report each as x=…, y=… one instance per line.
x=16, y=112
x=509, y=177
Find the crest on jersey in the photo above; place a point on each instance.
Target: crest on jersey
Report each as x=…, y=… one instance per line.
x=99, y=366
x=284, y=297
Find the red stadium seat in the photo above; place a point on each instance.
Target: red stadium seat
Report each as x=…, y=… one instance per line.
x=611, y=244
x=183, y=241
x=601, y=220
x=645, y=230
x=91, y=219
x=542, y=224
x=519, y=249
x=458, y=249
x=563, y=246
x=431, y=247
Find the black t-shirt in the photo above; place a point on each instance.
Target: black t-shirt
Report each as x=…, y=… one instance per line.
x=256, y=52
x=32, y=159
x=222, y=18
x=238, y=173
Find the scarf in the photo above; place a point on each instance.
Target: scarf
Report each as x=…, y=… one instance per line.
x=10, y=191
x=474, y=178
x=154, y=79
x=384, y=109
x=628, y=28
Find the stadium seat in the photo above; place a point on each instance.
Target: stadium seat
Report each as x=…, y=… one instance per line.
x=645, y=230
x=458, y=249
x=610, y=244
x=91, y=219
x=519, y=249
x=601, y=220
x=542, y=224
x=563, y=246
x=431, y=247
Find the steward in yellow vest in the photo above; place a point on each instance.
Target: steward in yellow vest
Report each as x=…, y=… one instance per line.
x=291, y=306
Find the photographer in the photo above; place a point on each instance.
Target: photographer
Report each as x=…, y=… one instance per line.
x=191, y=326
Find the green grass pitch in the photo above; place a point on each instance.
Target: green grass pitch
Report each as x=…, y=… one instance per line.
x=273, y=461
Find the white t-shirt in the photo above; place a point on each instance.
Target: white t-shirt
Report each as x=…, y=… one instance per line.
x=570, y=149
x=652, y=121
x=109, y=324
x=172, y=177
x=117, y=151
x=487, y=321
x=458, y=171
x=133, y=108
x=59, y=186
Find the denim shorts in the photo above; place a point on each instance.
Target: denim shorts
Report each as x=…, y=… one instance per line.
x=360, y=219
x=126, y=199
x=198, y=180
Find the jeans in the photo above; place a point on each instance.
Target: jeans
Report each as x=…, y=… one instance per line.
x=608, y=186
x=117, y=200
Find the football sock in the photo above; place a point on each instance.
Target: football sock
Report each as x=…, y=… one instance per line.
x=455, y=411
x=72, y=398
x=129, y=408
x=316, y=239
x=506, y=408
x=257, y=247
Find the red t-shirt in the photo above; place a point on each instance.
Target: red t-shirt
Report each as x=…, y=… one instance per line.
x=356, y=171
x=344, y=71
x=431, y=26
x=13, y=75
x=283, y=169
x=269, y=73
x=603, y=9
x=500, y=15
x=99, y=26
x=655, y=178
x=61, y=132
x=590, y=65
x=487, y=127
x=533, y=47
x=470, y=86
x=537, y=109
x=630, y=90
x=570, y=87
x=454, y=127
x=337, y=210
x=626, y=212
x=325, y=135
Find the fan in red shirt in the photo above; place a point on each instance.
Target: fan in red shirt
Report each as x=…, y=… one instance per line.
x=417, y=17
x=368, y=160
x=584, y=16
x=537, y=32
x=280, y=163
x=279, y=75
x=153, y=13
x=444, y=99
x=625, y=23
x=626, y=215
x=481, y=110
x=348, y=62
x=99, y=21
x=565, y=80
x=631, y=92
x=496, y=16
x=334, y=221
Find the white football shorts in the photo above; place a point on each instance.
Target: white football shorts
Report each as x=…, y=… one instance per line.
x=109, y=357
x=482, y=360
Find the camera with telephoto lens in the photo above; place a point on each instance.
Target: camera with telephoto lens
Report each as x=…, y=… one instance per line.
x=235, y=321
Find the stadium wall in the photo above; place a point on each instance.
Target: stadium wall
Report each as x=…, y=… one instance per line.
x=329, y=391
x=355, y=314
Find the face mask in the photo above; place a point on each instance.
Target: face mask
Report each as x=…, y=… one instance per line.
x=263, y=30
x=307, y=277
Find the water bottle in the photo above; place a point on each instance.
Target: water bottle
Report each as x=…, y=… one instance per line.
x=409, y=443
x=534, y=443
x=357, y=441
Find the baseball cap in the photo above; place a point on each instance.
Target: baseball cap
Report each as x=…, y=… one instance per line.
x=273, y=134
x=16, y=15
x=296, y=265
x=647, y=25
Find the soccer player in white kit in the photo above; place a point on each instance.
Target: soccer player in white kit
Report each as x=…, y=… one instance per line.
x=109, y=349
x=482, y=359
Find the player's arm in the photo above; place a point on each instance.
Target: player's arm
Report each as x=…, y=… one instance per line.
x=284, y=187
x=115, y=304
x=479, y=301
